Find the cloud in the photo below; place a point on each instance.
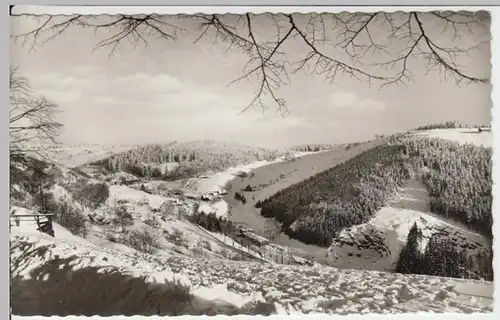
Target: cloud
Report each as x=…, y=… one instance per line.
x=347, y=100
x=332, y=124
x=343, y=99
x=369, y=105
x=98, y=89
x=150, y=107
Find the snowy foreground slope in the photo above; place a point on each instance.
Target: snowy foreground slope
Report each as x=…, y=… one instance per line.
x=292, y=289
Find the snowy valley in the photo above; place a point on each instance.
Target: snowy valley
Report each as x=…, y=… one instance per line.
x=184, y=236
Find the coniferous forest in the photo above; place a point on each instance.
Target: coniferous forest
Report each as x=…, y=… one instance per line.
x=313, y=147
x=192, y=159
x=458, y=177
x=314, y=210
x=442, y=258
x=448, y=125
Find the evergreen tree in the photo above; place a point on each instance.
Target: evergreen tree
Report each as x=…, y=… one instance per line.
x=409, y=258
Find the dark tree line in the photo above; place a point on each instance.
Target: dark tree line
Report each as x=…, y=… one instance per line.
x=315, y=210
x=258, y=204
x=313, y=147
x=442, y=125
x=213, y=223
x=448, y=125
x=459, y=179
x=441, y=257
x=240, y=197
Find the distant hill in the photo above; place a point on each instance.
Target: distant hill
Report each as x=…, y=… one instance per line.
x=183, y=160
x=79, y=154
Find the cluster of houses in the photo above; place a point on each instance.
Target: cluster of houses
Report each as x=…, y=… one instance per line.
x=210, y=196
x=122, y=178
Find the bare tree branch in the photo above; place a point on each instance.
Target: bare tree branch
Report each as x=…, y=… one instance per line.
x=392, y=40
x=32, y=120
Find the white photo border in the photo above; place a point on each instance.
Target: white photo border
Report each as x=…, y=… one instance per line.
x=256, y=6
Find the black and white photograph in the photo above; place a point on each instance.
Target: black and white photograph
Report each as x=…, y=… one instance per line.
x=250, y=163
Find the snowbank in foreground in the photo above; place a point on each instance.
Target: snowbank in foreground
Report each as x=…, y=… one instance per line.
x=296, y=289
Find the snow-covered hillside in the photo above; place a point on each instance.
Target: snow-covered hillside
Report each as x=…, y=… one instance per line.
x=163, y=213
x=376, y=245
x=291, y=289
x=76, y=155
x=461, y=135
x=218, y=181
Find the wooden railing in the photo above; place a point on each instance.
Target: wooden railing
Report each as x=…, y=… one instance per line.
x=43, y=221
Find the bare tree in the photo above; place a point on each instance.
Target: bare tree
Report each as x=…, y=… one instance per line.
x=122, y=217
x=143, y=240
x=272, y=228
x=72, y=219
x=32, y=120
x=331, y=43
x=89, y=194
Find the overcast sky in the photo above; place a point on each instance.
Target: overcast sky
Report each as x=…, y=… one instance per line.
x=177, y=90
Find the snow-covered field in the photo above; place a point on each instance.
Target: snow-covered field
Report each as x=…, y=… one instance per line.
x=461, y=135
x=219, y=208
x=217, y=181
x=293, y=289
x=119, y=192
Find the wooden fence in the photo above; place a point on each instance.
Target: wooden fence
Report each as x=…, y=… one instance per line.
x=43, y=221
